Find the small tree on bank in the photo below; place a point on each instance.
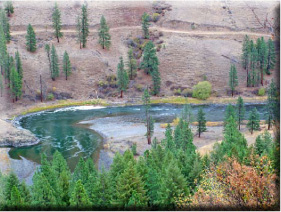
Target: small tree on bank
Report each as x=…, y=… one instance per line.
x=131, y=64
x=145, y=25
x=122, y=77
x=30, y=39
x=254, y=121
x=240, y=110
x=149, y=120
x=9, y=8
x=201, y=127
x=66, y=65
x=104, y=36
x=233, y=79
x=57, y=22
x=54, y=63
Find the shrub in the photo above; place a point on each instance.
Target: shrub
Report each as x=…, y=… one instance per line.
x=139, y=87
x=134, y=149
x=202, y=90
x=261, y=92
x=50, y=96
x=54, y=89
x=155, y=17
x=187, y=92
x=177, y=91
x=102, y=84
x=204, y=77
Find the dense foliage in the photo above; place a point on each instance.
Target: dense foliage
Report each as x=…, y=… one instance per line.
x=202, y=90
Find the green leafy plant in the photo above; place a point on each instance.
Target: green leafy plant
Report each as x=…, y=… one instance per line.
x=202, y=90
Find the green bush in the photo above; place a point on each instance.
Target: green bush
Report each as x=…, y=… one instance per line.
x=139, y=87
x=102, y=84
x=187, y=92
x=155, y=17
x=134, y=149
x=50, y=96
x=261, y=92
x=177, y=91
x=202, y=90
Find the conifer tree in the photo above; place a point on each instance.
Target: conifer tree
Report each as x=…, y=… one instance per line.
x=18, y=64
x=187, y=113
x=64, y=188
x=11, y=181
x=201, y=127
x=149, y=119
x=79, y=198
x=156, y=81
x=16, y=200
x=254, y=121
x=130, y=192
x=80, y=172
x=246, y=51
x=84, y=26
x=66, y=65
x=263, y=51
x=3, y=50
x=30, y=39
x=15, y=84
x=57, y=22
x=47, y=49
x=4, y=21
x=150, y=61
x=104, y=36
x=271, y=103
x=145, y=25
x=263, y=143
x=233, y=79
x=1, y=84
x=59, y=164
x=271, y=56
x=79, y=30
x=54, y=63
x=122, y=77
x=168, y=141
x=240, y=110
x=9, y=8
x=131, y=64
x=229, y=111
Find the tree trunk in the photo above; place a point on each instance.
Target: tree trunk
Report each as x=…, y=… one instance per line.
x=65, y=76
x=199, y=133
x=58, y=39
x=149, y=140
x=232, y=93
x=247, y=76
x=53, y=79
x=121, y=96
x=269, y=124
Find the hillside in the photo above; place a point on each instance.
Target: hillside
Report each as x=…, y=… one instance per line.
x=199, y=39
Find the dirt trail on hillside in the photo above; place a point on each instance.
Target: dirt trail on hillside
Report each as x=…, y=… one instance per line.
x=160, y=29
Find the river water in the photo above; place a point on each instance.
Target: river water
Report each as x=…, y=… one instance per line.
x=60, y=130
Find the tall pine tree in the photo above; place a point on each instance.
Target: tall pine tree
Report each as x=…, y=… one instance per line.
x=149, y=120
x=122, y=77
x=131, y=64
x=246, y=51
x=57, y=22
x=271, y=56
x=240, y=110
x=104, y=36
x=201, y=127
x=30, y=39
x=145, y=25
x=4, y=21
x=9, y=8
x=84, y=25
x=66, y=65
x=254, y=121
x=233, y=79
x=54, y=63
x=156, y=81
x=150, y=61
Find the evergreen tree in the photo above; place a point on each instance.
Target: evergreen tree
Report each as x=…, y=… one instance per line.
x=16, y=200
x=54, y=63
x=80, y=172
x=156, y=81
x=131, y=64
x=271, y=103
x=66, y=65
x=246, y=51
x=263, y=51
x=271, y=56
x=3, y=50
x=18, y=64
x=64, y=188
x=79, y=198
x=59, y=164
x=149, y=119
x=79, y=30
x=57, y=22
x=150, y=61
x=4, y=21
x=1, y=84
x=15, y=84
x=253, y=64
x=168, y=141
x=201, y=127
x=233, y=79
x=145, y=25
x=263, y=144
x=104, y=36
x=187, y=113
x=30, y=39
x=130, y=192
x=122, y=77
x=240, y=110
x=11, y=182
x=9, y=8
x=229, y=111
x=84, y=26
x=254, y=121
x=47, y=49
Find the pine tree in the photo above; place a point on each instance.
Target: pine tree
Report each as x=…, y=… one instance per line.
x=54, y=63
x=246, y=51
x=15, y=84
x=201, y=127
x=271, y=56
x=150, y=61
x=47, y=49
x=66, y=65
x=80, y=172
x=30, y=39
x=233, y=79
x=79, y=198
x=253, y=64
x=187, y=113
x=11, y=181
x=263, y=143
x=59, y=164
x=229, y=111
x=64, y=188
x=84, y=26
x=168, y=142
x=16, y=200
x=156, y=81
x=3, y=50
x=254, y=121
x=130, y=192
x=9, y=8
x=1, y=84
x=263, y=51
x=131, y=64
x=271, y=103
x=18, y=64
x=4, y=21
x=149, y=119
x=240, y=110
x=145, y=25
x=104, y=36
x=122, y=77
x=57, y=22
x=79, y=30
